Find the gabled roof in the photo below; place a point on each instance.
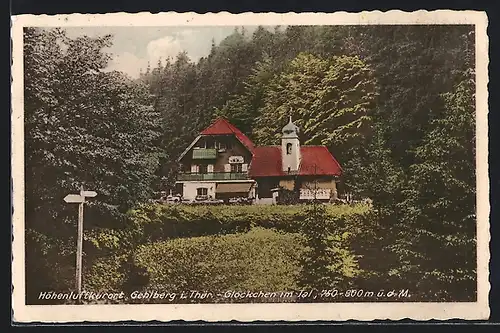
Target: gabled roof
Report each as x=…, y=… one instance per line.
x=266, y=160
x=315, y=160
x=222, y=127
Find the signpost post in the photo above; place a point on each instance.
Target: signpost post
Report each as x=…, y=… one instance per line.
x=80, y=200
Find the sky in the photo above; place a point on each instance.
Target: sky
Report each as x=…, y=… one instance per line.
x=134, y=47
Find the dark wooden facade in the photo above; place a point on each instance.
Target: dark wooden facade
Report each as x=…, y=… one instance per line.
x=226, y=146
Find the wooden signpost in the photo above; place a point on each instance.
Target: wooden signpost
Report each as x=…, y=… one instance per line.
x=80, y=200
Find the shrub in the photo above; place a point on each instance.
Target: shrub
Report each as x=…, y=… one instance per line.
x=105, y=274
x=155, y=222
x=50, y=266
x=259, y=260
x=328, y=261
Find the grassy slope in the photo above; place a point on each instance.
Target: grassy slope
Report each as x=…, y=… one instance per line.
x=258, y=260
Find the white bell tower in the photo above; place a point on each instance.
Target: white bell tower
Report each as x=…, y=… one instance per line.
x=290, y=147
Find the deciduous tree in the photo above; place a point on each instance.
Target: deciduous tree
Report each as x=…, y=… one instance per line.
x=330, y=101
x=83, y=126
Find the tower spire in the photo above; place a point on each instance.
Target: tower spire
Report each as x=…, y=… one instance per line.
x=290, y=147
x=290, y=129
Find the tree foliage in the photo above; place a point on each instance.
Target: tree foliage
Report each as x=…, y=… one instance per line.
x=83, y=126
x=329, y=99
x=327, y=262
x=440, y=199
x=244, y=109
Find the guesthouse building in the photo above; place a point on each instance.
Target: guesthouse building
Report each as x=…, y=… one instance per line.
x=223, y=163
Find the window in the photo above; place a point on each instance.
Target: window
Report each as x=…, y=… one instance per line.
x=202, y=191
x=288, y=148
x=203, y=168
x=236, y=168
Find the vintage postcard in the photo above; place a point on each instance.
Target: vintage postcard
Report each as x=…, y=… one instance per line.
x=250, y=167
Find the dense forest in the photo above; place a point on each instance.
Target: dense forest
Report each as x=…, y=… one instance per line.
x=394, y=104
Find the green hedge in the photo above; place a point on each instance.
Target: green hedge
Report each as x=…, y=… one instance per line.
x=258, y=260
x=256, y=248
x=154, y=222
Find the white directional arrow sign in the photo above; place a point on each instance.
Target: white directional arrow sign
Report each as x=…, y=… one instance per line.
x=79, y=199
x=89, y=194
x=74, y=198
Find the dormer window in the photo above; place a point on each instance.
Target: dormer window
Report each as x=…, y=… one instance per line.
x=288, y=148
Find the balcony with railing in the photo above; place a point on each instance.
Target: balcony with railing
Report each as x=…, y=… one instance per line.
x=204, y=154
x=212, y=176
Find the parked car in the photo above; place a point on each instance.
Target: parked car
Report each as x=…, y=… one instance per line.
x=216, y=201
x=174, y=198
x=206, y=200
x=158, y=197
x=213, y=201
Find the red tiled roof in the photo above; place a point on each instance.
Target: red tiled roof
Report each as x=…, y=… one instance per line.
x=315, y=160
x=266, y=161
x=222, y=127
